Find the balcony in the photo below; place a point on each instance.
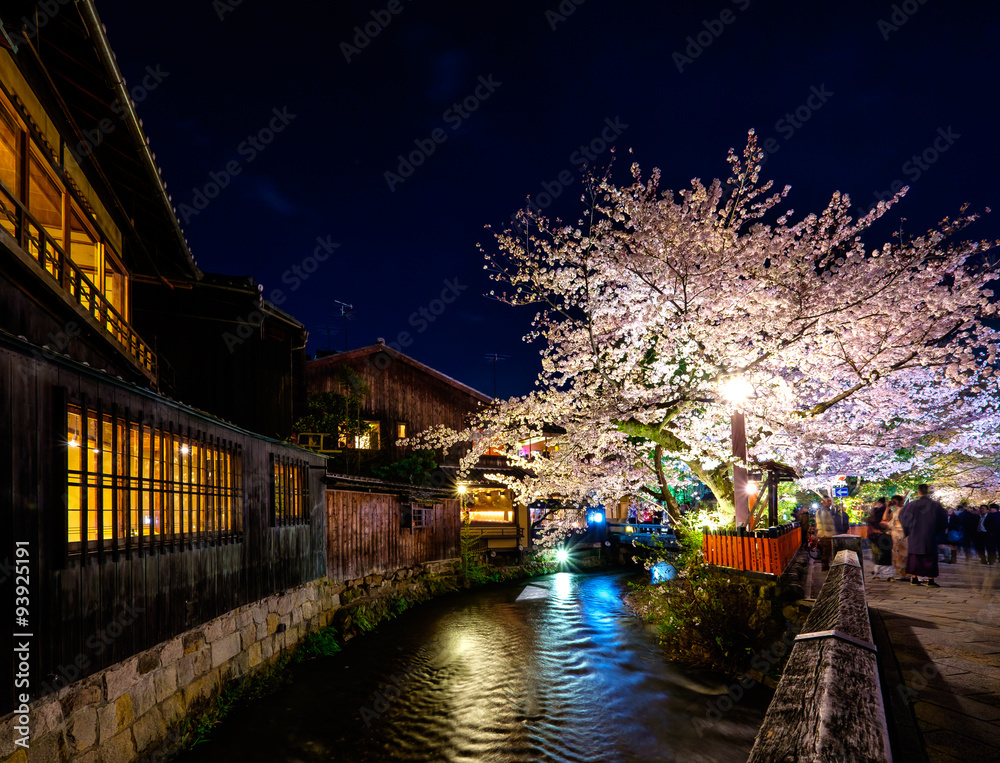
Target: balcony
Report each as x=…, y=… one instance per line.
x=36, y=242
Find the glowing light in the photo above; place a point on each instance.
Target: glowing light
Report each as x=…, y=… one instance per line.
x=753, y=487
x=662, y=572
x=737, y=390
x=815, y=505
x=73, y=444
x=596, y=517
x=462, y=489
x=562, y=555
x=185, y=450
x=564, y=585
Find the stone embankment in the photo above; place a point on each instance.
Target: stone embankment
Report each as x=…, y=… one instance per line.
x=137, y=709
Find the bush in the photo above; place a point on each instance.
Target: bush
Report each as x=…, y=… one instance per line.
x=711, y=619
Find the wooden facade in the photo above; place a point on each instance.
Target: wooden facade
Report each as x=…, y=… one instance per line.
x=365, y=536
x=229, y=351
x=92, y=607
x=139, y=517
x=401, y=391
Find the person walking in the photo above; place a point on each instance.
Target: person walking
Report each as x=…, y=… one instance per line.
x=982, y=537
x=991, y=523
x=825, y=531
x=953, y=534
x=898, y=535
x=802, y=516
x=969, y=522
x=923, y=520
x=880, y=543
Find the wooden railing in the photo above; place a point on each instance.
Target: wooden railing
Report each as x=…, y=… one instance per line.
x=768, y=551
x=32, y=237
x=828, y=706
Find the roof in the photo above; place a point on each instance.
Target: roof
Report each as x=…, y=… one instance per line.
x=477, y=476
x=69, y=65
x=332, y=361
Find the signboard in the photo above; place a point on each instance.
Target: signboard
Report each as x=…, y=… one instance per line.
x=840, y=492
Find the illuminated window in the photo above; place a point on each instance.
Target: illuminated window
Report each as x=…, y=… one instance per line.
x=367, y=441
x=10, y=168
x=489, y=505
x=289, y=491
x=45, y=203
x=400, y=430
x=55, y=229
x=131, y=484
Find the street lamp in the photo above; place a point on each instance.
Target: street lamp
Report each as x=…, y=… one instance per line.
x=736, y=390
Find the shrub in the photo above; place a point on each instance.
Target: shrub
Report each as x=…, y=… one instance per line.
x=711, y=619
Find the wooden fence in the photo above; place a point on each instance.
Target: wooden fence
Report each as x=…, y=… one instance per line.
x=860, y=530
x=768, y=551
x=365, y=537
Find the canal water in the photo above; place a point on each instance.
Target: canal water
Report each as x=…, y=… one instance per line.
x=553, y=669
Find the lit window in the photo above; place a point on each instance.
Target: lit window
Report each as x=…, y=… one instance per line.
x=10, y=163
x=367, y=441
x=290, y=491
x=400, y=430
x=131, y=484
x=489, y=505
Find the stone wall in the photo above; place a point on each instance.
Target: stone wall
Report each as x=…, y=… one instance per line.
x=136, y=709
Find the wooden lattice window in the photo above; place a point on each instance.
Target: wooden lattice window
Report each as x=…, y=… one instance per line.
x=290, y=491
x=133, y=483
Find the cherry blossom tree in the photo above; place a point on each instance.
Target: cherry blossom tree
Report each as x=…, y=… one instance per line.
x=655, y=300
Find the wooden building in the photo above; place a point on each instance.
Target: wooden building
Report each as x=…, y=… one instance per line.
x=407, y=397
x=140, y=516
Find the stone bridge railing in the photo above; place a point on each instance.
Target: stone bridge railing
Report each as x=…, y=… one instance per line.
x=828, y=704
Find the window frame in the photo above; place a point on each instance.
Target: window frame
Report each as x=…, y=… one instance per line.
x=153, y=482
x=290, y=494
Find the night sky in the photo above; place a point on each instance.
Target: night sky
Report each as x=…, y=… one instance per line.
x=868, y=87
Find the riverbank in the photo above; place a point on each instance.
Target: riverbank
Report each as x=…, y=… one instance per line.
x=366, y=604
x=719, y=620
x=551, y=668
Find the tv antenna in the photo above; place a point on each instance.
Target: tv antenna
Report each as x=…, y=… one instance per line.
x=494, y=358
x=347, y=313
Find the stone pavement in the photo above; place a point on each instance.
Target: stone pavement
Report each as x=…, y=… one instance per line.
x=941, y=670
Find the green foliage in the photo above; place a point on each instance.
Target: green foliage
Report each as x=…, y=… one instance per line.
x=262, y=682
x=711, y=619
x=322, y=643
x=413, y=470
x=198, y=729
x=337, y=413
x=473, y=569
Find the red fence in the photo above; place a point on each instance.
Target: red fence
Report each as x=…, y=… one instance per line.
x=767, y=551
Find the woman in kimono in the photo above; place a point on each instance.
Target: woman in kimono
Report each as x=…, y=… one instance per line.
x=900, y=551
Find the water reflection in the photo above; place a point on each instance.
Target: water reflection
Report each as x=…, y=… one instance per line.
x=556, y=669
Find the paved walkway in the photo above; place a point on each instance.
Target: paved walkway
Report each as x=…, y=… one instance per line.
x=946, y=667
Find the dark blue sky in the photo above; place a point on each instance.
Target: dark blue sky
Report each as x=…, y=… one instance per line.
x=545, y=78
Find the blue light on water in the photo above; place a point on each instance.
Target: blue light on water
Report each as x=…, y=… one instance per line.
x=662, y=572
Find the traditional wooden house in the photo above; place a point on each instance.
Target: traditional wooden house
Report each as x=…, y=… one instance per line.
x=121, y=498
x=406, y=397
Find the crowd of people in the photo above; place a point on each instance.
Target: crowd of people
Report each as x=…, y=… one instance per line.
x=908, y=541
